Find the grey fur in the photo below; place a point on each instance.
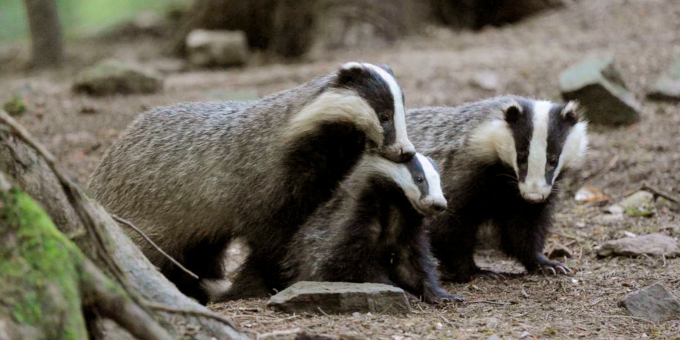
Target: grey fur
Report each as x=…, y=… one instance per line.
x=199, y=174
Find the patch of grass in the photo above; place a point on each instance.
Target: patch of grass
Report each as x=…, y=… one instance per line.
x=15, y=106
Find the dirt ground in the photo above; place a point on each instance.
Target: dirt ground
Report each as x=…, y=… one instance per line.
x=435, y=69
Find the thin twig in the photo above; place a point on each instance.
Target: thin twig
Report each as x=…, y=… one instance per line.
x=266, y=322
x=207, y=314
x=663, y=194
x=447, y=321
x=491, y=302
x=322, y=312
x=141, y=233
x=575, y=238
x=624, y=317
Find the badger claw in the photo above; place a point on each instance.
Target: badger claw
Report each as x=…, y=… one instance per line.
x=545, y=265
x=491, y=274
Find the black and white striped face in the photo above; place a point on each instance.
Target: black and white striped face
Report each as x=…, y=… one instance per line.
x=419, y=179
x=548, y=138
x=378, y=87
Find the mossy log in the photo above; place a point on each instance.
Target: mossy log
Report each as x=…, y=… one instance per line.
x=102, y=242
x=47, y=285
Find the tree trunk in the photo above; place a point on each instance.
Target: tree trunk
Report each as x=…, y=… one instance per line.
x=102, y=241
x=43, y=19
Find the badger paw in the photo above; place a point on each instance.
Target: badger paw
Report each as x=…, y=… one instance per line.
x=439, y=295
x=490, y=274
x=546, y=266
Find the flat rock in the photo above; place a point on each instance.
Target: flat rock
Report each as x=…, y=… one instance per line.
x=340, y=298
x=667, y=87
x=217, y=48
x=637, y=204
x=652, y=244
x=600, y=89
x=654, y=303
x=113, y=76
x=486, y=81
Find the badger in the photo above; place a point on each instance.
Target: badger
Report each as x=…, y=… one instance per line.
x=373, y=230
x=502, y=160
x=194, y=176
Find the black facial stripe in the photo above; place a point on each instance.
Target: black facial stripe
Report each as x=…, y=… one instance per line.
x=370, y=86
x=522, y=130
x=558, y=130
x=416, y=170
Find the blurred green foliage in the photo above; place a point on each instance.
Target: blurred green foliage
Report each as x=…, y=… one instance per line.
x=79, y=18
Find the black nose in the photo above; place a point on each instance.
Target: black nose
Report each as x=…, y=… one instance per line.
x=439, y=207
x=406, y=155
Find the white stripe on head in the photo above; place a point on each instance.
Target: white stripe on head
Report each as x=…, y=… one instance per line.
x=396, y=171
x=399, y=119
x=534, y=186
x=432, y=177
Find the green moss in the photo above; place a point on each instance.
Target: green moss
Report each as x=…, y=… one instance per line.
x=39, y=272
x=15, y=106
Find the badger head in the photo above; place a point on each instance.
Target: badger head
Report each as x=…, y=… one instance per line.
x=541, y=141
x=383, y=109
x=419, y=180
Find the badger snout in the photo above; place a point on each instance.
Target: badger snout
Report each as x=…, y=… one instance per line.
x=432, y=205
x=399, y=152
x=535, y=192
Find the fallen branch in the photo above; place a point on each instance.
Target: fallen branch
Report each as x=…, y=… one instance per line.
x=141, y=233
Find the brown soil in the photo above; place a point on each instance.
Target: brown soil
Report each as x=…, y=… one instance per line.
x=435, y=69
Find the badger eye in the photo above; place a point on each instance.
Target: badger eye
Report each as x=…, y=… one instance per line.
x=384, y=118
x=418, y=179
x=552, y=161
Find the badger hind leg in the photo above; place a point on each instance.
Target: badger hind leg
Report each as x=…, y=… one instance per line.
x=453, y=244
x=256, y=278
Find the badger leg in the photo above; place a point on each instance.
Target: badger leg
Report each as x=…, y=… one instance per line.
x=416, y=272
x=453, y=244
x=205, y=259
x=256, y=278
x=523, y=237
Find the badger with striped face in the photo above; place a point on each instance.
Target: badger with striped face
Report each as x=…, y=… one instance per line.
x=502, y=160
x=194, y=176
x=373, y=230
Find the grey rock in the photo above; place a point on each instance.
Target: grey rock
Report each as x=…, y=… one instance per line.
x=486, y=81
x=638, y=199
x=217, y=48
x=600, y=89
x=652, y=244
x=654, y=303
x=113, y=76
x=667, y=87
x=340, y=298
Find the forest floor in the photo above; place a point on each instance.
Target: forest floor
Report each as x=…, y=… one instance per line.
x=436, y=69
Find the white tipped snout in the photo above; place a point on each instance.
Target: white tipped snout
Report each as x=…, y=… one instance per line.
x=399, y=152
x=431, y=205
x=535, y=191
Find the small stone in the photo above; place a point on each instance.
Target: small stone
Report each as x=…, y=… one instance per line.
x=217, y=48
x=559, y=251
x=638, y=199
x=667, y=87
x=652, y=244
x=654, y=303
x=340, y=298
x=494, y=337
x=485, y=81
x=439, y=325
x=114, y=76
x=600, y=89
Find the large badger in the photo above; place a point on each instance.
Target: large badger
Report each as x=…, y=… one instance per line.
x=372, y=230
x=194, y=176
x=501, y=161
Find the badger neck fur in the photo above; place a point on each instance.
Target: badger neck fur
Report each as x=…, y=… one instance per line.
x=195, y=175
x=372, y=229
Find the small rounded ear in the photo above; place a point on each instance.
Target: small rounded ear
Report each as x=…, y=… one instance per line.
x=349, y=73
x=572, y=113
x=512, y=113
x=434, y=164
x=386, y=68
